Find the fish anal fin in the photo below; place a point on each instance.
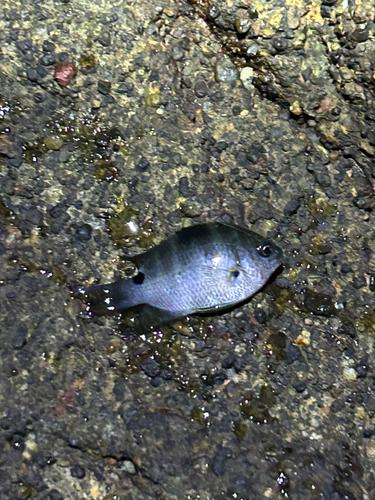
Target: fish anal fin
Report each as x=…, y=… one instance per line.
x=153, y=316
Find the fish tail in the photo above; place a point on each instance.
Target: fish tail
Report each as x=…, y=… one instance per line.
x=113, y=297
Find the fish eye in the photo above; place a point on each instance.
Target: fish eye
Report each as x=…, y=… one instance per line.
x=265, y=251
x=139, y=278
x=233, y=274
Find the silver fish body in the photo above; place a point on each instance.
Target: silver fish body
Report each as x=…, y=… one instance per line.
x=200, y=269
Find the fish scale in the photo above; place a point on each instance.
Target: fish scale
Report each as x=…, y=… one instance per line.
x=202, y=268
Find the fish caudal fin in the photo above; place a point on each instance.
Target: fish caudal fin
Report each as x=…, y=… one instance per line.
x=111, y=298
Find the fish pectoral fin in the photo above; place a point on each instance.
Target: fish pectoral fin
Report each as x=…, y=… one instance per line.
x=153, y=316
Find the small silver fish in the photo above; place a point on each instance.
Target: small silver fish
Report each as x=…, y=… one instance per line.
x=200, y=269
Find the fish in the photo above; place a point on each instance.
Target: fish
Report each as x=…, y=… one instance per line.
x=201, y=269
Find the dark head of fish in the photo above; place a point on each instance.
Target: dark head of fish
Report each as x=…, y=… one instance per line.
x=265, y=252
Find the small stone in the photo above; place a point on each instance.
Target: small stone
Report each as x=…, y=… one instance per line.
x=300, y=387
x=153, y=99
x=48, y=60
x=20, y=336
x=129, y=467
x=200, y=89
x=34, y=216
x=177, y=53
x=252, y=50
x=349, y=373
x=360, y=35
x=83, y=232
x=183, y=187
x=191, y=209
x=55, y=495
x=104, y=87
x=319, y=303
x=119, y=390
x=32, y=74
x=243, y=25
x=151, y=367
x=225, y=71
x=143, y=164
x=78, y=472
x=53, y=142
x=292, y=207
x=64, y=73
x=24, y=45
x=323, y=179
x=280, y=44
x=105, y=39
x=48, y=46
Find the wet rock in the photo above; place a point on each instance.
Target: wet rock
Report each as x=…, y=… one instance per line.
x=323, y=179
x=119, y=390
x=191, y=209
x=320, y=304
x=213, y=12
x=200, y=89
x=293, y=352
x=292, y=207
x=77, y=471
x=32, y=74
x=55, y=495
x=260, y=315
x=34, y=216
x=360, y=35
x=105, y=39
x=83, y=232
x=226, y=71
x=104, y=87
x=20, y=336
x=280, y=44
x=243, y=25
x=359, y=282
x=220, y=459
x=183, y=187
x=48, y=60
x=300, y=387
x=2, y=248
x=143, y=164
x=151, y=367
x=24, y=45
x=48, y=46
x=53, y=142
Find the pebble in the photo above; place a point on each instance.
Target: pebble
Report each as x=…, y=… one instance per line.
x=83, y=232
x=191, y=209
x=32, y=74
x=105, y=39
x=143, y=164
x=243, y=25
x=349, y=373
x=226, y=71
x=55, y=495
x=78, y=472
x=129, y=467
x=200, y=89
x=183, y=187
x=53, y=142
x=34, y=216
x=24, y=45
x=151, y=367
x=104, y=87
